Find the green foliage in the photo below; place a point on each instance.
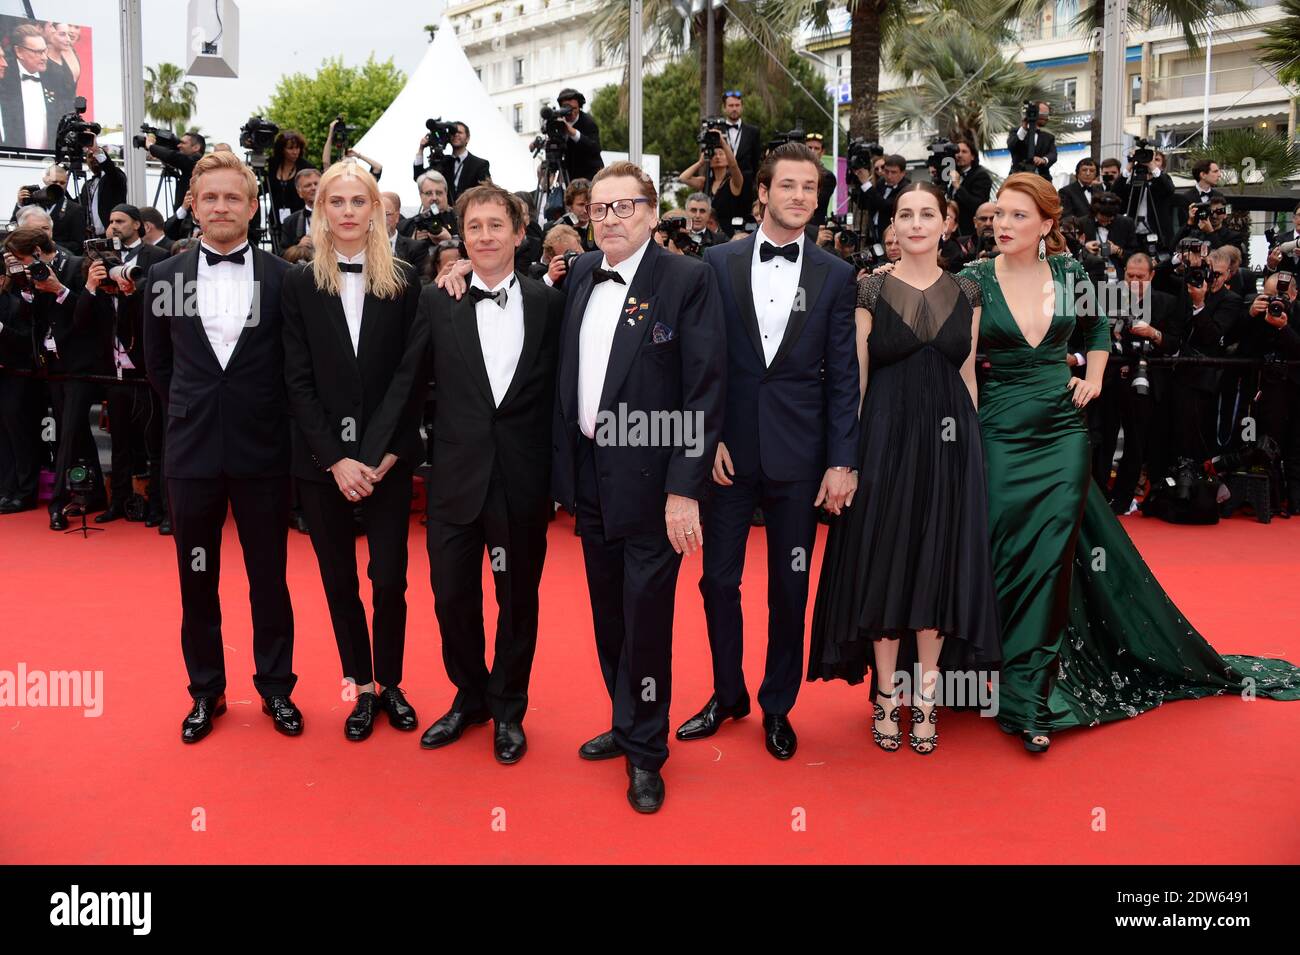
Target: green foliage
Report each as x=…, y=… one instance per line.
x=309, y=103
x=1249, y=158
x=169, y=98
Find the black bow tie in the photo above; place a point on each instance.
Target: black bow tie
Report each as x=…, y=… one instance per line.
x=477, y=295
x=599, y=275
x=34, y=79
x=767, y=251
x=236, y=257
x=349, y=266
x=734, y=125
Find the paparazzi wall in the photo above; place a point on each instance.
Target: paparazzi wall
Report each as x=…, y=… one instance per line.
x=65, y=71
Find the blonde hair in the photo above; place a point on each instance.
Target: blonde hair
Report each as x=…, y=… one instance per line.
x=383, y=276
x=223, y=160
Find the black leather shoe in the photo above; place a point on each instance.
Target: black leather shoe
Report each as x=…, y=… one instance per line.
x=198, y=722
x=509, y=743
x=400, y=713
x=153, y=520
x=298, y=522
x=706, y=722
x=779, y=736
x=58, y=521
x=165, y=528
x=114, y=513
x=600, y=747
x=286, y=717
x=12, y=505
x=645, y=789
x=361, y=721
x=450, y=727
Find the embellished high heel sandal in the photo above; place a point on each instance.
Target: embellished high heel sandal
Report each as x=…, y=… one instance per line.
x=924, y=745
x=889, y=742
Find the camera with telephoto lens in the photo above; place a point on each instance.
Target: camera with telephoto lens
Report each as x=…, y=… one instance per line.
x=73, y=135
x=43, y=196
x=109, y=251
x=863, y=153
x=429, y=220
x=943, y=156
x=677, y=231
x=163, y=137
x=868, y=257
x=712, y=129
x=844, y=234
x=257, y=137
x=1202, y=212
x=1280, y=304
x=24, y=277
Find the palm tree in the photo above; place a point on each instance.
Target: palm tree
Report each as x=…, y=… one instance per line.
x=168, y=96
x=1281, y=48
x=1249, y=158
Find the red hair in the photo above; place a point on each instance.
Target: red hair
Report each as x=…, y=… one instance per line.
x=1045, y=200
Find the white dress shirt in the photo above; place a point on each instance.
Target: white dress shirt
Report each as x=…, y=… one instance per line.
x=500, y=334
x=733, y=135
x=352, y=292
x=34, y=118
x=596, y=337
x=775, y=284
x=224, y=295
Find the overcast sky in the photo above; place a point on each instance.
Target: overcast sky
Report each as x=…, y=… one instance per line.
x=275, y=37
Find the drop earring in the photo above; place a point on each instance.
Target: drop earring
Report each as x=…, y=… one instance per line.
x=1042, y=248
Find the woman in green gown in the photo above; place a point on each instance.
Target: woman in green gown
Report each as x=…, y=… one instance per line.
x=1088, y=635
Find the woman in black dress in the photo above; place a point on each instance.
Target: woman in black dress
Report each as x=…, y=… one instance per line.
x=288, y=155
x=907, y=572
x=718, y=174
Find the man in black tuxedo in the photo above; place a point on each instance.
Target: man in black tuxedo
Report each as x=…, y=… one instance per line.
x=582, y=137
x=1279, y=261
x=29, y=109
x=103, y=191
x=1105, y=224
x=877, y=199
x=1077, y=196
x=214, y=353
x=1211, y=226
x=494, y=352
x=68, y=215
x=827, y=184
x=1268, y=331
x=970, y=186
x=1152, y=211
x=462, y=168
x=413, y=251
x=788, y=308
x=1206, y=173
x=22, y=405
x=1033, y=149
x=296, y=229
x=114, y=314
x=643, y=350
x=188, y=151
x=744, y=138
x=155, y=234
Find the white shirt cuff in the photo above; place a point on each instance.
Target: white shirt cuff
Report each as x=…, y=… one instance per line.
x=1080, y=359
x=577, y=134
x=547, y=279
x=1020, y=133
x=62, y=295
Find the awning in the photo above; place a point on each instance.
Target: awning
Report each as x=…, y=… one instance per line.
x=1235, y=114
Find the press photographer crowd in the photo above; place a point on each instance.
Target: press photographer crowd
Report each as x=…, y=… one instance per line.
x=1199, y=414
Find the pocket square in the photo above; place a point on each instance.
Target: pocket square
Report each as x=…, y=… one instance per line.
x=661, y=333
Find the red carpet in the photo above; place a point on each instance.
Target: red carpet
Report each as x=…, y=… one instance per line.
x=1211, y=781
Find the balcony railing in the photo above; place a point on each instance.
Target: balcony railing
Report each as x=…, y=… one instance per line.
x=1237, y=79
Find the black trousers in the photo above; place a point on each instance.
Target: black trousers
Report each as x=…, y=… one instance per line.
x=72, y=402
x=136, y=419
x=790, y=523
x=20, y=436
x=632, y=582
x=1134, y=413
x=1279, y=418
x=198, y=513
x=516, y=551
x=386, y=517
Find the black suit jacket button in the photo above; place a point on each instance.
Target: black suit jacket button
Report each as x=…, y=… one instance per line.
x=645, y=472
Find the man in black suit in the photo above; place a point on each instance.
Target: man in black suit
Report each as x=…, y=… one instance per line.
x=877, y=199
x=1106, y=233
x=296, y=229
x=1211, y=226
x=494, y=352
x=414, y=251
x=214, y=353
x=1289, y=261
x=1033, y=149
x=1077, y=196
x=582, y=137
x=1206, y=173
x=643, y=351
x=436, y=220
x=29, y=109
x=970, y=186
x=22, y=405
x=68, y=215
x=114, y=315
x=104, y=190
x=788, y=308
x=744, y=138
x=463, y=170
x=827, y=183
x=1152, y=211
x=181, y=159
x=153, y=223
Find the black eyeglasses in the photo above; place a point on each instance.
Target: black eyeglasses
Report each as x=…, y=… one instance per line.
x=623, y=208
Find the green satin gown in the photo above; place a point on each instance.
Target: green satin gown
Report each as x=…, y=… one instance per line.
x=1088, y=635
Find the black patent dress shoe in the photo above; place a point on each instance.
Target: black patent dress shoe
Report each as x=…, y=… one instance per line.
x=509, y=743
x=286, y=717
x=58, y=521
x=600, y=747
x=154, y=518
x=114, y=513
x=707, y=721
x=778, y=735
x=165, y=528
x=361, y=721
x=401, y=715
x=645, y=789
x=450, y=727
x=198, y=722
x=13, y=505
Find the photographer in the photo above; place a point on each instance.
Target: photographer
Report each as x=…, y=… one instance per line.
x=876, y=199
x=288, y=158
x=1110, y=173
x=1280, y=257
x=296, y=229
x=408, y=250
x=435, y=222
x=181, y=224
x=104, y=190
x=1154, y=209
x=376, y=169
x=154, y=229
x=111, y=310
x=718, y=175
x=582, y=136
x=1033, y=148
x=1269, y=333
x=182, y=158
x=969, y=185
x=952, y=254
x=825, y=187
x=1107, y=234
x=698, y=210
x=1076, y=197
x=466, y=169
x=1146, y=326
x=558, y=251
x=1207, y=221
x=743, y=138
x=576, y=197
x=69, y=215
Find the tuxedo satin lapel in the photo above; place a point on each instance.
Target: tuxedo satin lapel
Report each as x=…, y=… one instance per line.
x=739, y=265
x=812, y=276
x=464, y=321
x=629, y=337
x=534, y=329
x=189, y=275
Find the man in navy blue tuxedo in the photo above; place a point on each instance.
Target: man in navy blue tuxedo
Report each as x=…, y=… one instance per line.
x=789, y=437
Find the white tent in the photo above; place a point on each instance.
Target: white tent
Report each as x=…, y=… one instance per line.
x=444, y=85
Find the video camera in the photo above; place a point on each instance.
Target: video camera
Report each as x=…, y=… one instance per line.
x=1142, y=156
x=440, y=133
x=256, y=137
x=163, y=137
x=943, y=156
x=109, y=251
x=795, y=135
x=73, y=135
x=343, y=133
x=677, y=231
x=862, y=153
x=712, y=129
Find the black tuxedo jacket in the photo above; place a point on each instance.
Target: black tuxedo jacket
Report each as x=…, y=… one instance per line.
x=232, y=421
x=749, y=152
x=1204, y=334
x=109, y=190
x=975, y=189
x=1121, y=235
x=414, y=251
x=294, y=228
x=14, y=111
x=474, y=440
x=880, y=200
x=683, y=372
x=1160, y=205
x=793, y=419
x=1076, y=200
x=99, y=319
x=358, y=405
x=582, y=159
x=474, y=170
x=1044, y=145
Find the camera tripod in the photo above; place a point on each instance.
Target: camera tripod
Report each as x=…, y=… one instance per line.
x=551, y=174
x=1137, y=192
